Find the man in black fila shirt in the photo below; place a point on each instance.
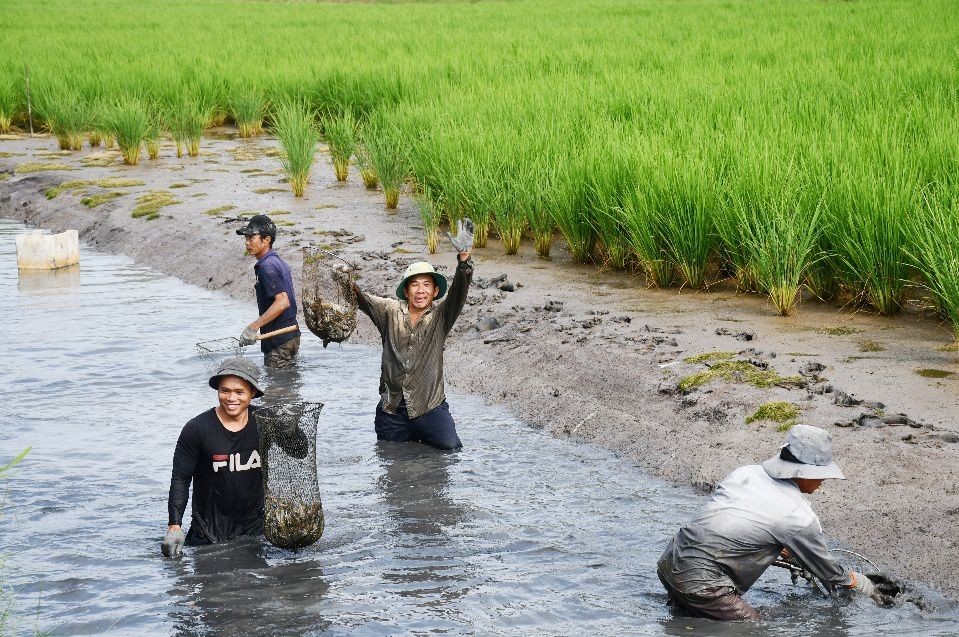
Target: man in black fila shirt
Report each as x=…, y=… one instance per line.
x=218, y=452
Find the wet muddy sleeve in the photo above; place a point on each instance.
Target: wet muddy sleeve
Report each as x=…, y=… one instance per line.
x=374, y=307
x=809, y=547
x=456, y=298
x=185, y=458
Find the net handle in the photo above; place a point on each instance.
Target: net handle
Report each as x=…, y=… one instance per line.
x=353, y=267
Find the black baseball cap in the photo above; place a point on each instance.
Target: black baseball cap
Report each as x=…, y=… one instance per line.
x=259, y=224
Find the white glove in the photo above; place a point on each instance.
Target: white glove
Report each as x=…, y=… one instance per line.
x=172, y=543
x=864, y=586
x=463, y=241
x=248, y=337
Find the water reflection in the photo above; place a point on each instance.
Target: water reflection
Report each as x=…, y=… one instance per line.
x=233, y=589
x=415, y=486
x=59, y=281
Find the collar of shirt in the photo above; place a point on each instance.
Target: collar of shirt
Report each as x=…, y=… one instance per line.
x=266, y=256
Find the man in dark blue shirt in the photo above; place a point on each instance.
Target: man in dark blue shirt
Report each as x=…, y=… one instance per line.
x=274, y=295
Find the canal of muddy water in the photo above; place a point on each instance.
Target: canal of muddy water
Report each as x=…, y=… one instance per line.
x=518, y=534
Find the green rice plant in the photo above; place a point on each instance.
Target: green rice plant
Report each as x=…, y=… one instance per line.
x=67, y=115
x=780, y=238
x=431, y=212
x=295, y=128
x=538, y=215
x=869, y=237
x=506, y=200
x=11, y=102
x=645, y=226
x=130, y=123
x=185, y=118
x=387, y=158
x=365, y=164
x=821, y=278
x=570, y=212
x=610, y=185
x=340, y=134
x=684, y=197
x=934, y=248
x=152, y=140
x=248, y=106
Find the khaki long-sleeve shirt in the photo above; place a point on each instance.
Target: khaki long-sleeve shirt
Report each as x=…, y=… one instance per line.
x=412, y=365
x=740, y=532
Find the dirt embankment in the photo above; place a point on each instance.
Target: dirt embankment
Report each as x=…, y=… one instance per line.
x=587, y=354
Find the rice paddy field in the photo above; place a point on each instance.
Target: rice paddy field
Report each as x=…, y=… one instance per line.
x=801, y=148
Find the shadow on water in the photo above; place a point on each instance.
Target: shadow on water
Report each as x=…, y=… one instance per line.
x=234, y=589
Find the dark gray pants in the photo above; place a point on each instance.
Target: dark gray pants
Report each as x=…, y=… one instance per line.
x=283, y=355
x=721, y=602
x=435, y=428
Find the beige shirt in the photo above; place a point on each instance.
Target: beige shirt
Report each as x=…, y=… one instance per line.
x=412, y=365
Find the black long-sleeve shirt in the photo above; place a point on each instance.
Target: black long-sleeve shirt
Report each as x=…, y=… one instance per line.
x=224, y=467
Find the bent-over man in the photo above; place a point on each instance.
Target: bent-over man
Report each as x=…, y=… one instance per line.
x=414, y=327
x=755, y=513
x=275, y=299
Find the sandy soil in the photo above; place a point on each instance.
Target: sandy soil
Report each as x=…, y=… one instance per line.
x=583, y=353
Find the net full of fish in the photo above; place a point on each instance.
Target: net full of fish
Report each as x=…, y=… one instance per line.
x=329, y=299
x=292, y=508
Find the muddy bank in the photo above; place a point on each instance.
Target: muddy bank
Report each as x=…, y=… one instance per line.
x=592, y=355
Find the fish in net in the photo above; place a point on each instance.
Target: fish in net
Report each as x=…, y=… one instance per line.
x=292, y=509
x=329, y=299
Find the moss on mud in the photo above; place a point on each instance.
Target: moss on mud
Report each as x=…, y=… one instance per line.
x=149, y=205
x=78, y=184
x=740, y=372
x=36, y=167
x=213, y=212
x=98, y=200
x=709, y=357
x=778, y=411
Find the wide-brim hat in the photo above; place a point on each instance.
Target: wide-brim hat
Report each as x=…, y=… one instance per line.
x=241, y=368
x=421, y=267
x=812, y=448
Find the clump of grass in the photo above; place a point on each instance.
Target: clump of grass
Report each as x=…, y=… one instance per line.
x=778, y=411
x=93, y=201
x=570, y=211
x=129, y=122
x=295, y=127
x=77, y=184
x=264, y=191
x=431, y=212
x=340, y=134
x=934, y=248
x=149, y=205
x=388, y=159
x=214, y=212
x=10, y=104
x=538, y=215
x=365, y=164
x=869, y=345
x=687, y=200
x=645, y=232
x=36, y=167
x=186, y=118
x=837, y=331
x=780, y=236
x=740, y=372
x=248, y=107
x=709, y=357
x=67, y=115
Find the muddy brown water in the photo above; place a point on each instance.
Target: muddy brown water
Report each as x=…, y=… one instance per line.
x=518, y=534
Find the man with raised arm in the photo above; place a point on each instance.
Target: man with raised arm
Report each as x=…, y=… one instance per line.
x=414, y=327
x=756, y=515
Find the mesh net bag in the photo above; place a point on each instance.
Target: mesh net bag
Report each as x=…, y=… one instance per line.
x=292, y=510
x=329, y=301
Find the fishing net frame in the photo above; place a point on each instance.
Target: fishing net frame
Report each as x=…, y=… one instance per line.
x=328, y=296
x=292, y=508
x=220, y=347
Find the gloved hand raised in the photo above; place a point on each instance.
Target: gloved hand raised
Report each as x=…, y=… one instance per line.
x=463, y=241
x=172, y=544
x=864, y=586
x=248, y=337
